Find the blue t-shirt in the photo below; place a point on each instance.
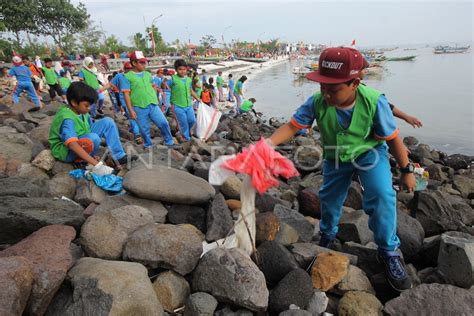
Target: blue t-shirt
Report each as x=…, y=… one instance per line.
x=67, y=133
x=157, y=81
x=384, y=123
x=231, y=84
x=21, y=73
x=204, y=79
x=239, y=85
x=118, y=81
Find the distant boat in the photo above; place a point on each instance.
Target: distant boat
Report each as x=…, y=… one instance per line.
x=253, y=59
x=403, y=58
x=209, y=59
x=451, y=49
x=410, y=49
x=301, y=72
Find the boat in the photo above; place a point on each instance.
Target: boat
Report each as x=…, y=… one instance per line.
x=403, y=58
x=410, y=49
x=209, y=59
x=301, y=72
x=380, y=58
x=252, y=59
x=451, y=49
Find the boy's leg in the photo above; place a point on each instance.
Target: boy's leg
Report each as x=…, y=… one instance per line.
x=59, y=91
x=16, y=92
x=160, y=121
x=182, y=120
x=100, y=101
x=332, y=194
x=107, y=129
x=191, y=117
x=52, y=92
x=143, y=121
x=30, y=89
x=379, y=197
x=221, y=94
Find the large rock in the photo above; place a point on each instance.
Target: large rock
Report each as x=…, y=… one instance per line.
x=168, y=185
x=188, y=214
x=295, y=312
x=354, y=226
x=62, y=184
x=16, y=284
x=165, y=246
x=328, y=270
x=308, y=200
x=305, y=252
x=411, y=234
x=428, y=254
x=231, y=187
x=296, y=220
x=465, y=185
x=355, y=280
x=267, y=225
x=356, y=303
x=101, y=287
x=112, y=202
x=24, y=187
x=295, y=288
x=275, y=261
x=456, y=258
x=19, y=217
x=230, y=276
x=172, y=290
x=200, y=304
x=439, y=212
x=15, y=145
x=458, y=161
x=219, y=219
x=266, y=202
x=287, y=235
x=88, y=192
x=433, y=300
x=48, y=251
x=104, y=234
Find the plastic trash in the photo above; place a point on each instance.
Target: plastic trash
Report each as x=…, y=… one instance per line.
x=110, y=182
x=207, y=121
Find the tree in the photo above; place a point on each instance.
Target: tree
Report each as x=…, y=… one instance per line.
x=158, y=38
x=139, y=42
x=17, y=16
x=90, y=39
x=208, y=41
x=113, y=44
x=58, y=18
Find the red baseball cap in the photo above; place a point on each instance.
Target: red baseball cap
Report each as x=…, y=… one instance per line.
x=160, y=71
x=338, y=65
x=138, y=55
x=127, y=65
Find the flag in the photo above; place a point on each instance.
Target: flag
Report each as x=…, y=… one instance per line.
x=152, y=39
x=353, y=42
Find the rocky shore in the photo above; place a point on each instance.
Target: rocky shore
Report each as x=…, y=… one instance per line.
x=70, y=248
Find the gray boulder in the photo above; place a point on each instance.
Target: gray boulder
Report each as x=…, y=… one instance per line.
x=187, y=214
x=465, y=185
x=318, y=303
x=24, y=187
x=219, y=219
x=411, y=234
x=354, y=226
x=295, y=288
x=305, y=252
x=200, y=304
x=456, y=258
x=296, y=220
x=275, y=261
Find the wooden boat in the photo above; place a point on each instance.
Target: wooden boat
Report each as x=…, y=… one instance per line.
x=403, y=58
x=252, y=59
x=209, y=59
x=450, y=49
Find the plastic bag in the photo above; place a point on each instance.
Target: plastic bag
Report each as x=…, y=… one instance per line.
x=110, y=183
x=206, y=121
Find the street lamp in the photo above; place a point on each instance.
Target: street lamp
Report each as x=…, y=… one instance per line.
x=152, y=38
x=227, y=27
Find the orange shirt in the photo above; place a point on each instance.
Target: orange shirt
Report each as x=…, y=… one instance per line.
x=35, y=70
x=206, y=96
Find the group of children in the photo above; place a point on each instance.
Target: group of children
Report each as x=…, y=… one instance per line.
x=356, y=125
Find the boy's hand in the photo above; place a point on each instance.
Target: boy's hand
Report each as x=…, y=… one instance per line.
x=408, y=181
x=413, y=121
x=133, y=115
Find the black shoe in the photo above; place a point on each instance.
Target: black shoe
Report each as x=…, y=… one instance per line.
x=36, y=108
x=326, y=240
x=125, y=159
x=395, y=270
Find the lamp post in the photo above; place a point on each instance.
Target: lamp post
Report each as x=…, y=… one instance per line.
x=152, y=37
x=223, y=41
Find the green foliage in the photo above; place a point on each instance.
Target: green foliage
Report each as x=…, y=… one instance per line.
x=113, y=44
x=90, y=38
x=208, y=41
x=139, y=42
x=17, y=16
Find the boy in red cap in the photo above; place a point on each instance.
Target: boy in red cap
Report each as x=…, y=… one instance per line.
x=23, y=77
x=356, y=125
x=142, y=103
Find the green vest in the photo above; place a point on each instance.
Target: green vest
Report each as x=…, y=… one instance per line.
x=64, y=82
x=90, y=79
x=246, y=106
x=50, y=75
x=58, y=149
x=181, y=92
x=142, y=93
x=358, y=138
x=219, y=81
x=236, y=88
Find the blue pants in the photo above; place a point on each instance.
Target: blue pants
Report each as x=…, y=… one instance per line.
x=185, y=118
x=153, y=113
x=30, y=90
x=133, y=124
x=379, y=200
x=104, y=128
x=231, y=95
x=238, y=102
x=100, y=102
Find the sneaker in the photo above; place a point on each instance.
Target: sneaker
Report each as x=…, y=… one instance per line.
x=326, y=240
x=395, y=270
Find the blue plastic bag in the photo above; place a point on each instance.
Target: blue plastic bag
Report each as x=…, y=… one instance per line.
x=109, y=183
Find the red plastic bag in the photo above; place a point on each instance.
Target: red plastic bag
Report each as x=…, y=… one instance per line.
x=263, y=164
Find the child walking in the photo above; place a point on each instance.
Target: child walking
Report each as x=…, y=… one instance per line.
x=88, y=74
x=52, y=80
x=23, y=77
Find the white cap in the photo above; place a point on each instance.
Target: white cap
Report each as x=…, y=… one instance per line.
x=16, y=60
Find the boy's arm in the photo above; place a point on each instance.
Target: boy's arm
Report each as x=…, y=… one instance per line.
x=413, y=121
x=128, y=102
x=194, y=95
x=81, y=153
x=398, y=150
x=283, y=134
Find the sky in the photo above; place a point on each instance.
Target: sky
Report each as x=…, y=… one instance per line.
x=370, y=23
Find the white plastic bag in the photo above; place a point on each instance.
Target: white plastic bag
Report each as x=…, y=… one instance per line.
x=206, y=121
